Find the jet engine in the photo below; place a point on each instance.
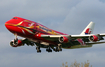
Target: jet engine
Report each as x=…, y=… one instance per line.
x=16, y=43
x=95, y=38
x=63, y=39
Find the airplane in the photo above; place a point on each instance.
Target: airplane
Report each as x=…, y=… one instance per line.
x=35, y=34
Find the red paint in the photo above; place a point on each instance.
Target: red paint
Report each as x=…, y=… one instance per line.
x=88, y=31
x=29, y=29
x=81, y=41
x=64, y=39
x=95, y=38
x=18, y=44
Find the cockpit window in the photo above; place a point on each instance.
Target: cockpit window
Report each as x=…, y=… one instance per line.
x=15, y=18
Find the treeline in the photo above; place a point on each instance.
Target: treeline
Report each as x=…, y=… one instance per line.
x=75, y=64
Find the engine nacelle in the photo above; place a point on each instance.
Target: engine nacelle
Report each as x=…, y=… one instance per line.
x=17, y=43
x=63, y=39
x=95, y=38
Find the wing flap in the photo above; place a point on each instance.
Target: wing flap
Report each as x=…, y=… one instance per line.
x=95, y=43
x=72, y=36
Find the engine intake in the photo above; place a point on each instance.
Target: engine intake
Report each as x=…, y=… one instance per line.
x=63, y=39
x=95, y=38
x=17, y=43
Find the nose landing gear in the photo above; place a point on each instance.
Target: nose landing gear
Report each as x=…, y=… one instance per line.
x=15, y=40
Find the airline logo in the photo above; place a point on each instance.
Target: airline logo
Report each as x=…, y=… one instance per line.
x=88, y=31
x=81, y=41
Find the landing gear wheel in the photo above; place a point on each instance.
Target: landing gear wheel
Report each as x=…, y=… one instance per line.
x=38, y=49
x=48, y=50
x=58, y=48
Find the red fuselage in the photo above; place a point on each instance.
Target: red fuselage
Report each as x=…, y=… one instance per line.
x=29, y=29
x=41, y=36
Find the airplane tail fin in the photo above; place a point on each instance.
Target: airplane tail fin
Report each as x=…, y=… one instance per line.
x=89, y=29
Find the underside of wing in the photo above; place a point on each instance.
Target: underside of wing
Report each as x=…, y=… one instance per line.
x=88, y=45
x=93, y=43
x=66, y=38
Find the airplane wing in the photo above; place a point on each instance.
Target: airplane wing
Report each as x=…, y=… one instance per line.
x=72, y=36
x=56, y=38
x=88, y=45
x=95, y=43
x=94, y=37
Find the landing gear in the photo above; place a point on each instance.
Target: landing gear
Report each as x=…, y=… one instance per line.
x=58, y=48
x=48, y=49
x=15, y=40
x=38, y=49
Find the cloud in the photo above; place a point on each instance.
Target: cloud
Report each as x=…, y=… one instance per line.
x=51, y=59
x=37, y=10
x=68, y=16
x=103, y=1
x=4, y=39
x=84, y=12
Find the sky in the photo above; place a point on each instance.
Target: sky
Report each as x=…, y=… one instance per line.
x=67, y=16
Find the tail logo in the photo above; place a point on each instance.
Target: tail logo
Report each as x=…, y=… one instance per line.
x=88, y=31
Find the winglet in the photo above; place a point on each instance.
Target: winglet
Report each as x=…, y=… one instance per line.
x=89, y=29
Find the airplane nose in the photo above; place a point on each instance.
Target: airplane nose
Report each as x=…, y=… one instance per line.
x=7, y=25
x=10, y=24
x=12, y=27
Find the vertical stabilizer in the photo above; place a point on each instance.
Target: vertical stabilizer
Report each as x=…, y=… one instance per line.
x=89, y=29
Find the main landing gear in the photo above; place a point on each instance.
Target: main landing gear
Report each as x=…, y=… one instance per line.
x=38, y=49
x=58, y=48
x=50, y=48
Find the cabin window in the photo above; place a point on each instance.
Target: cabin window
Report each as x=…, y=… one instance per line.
x=15, y=18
